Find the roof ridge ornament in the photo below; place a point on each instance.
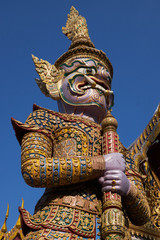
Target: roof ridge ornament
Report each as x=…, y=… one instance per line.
x=4, y=226
x=18, y=223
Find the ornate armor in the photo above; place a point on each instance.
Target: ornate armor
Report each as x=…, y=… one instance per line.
x=63, y=153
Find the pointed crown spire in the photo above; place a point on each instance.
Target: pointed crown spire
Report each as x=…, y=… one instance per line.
x=76, y=30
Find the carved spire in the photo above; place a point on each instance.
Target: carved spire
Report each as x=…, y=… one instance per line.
x=76, y=25
x=76, y=30
x=109, y=122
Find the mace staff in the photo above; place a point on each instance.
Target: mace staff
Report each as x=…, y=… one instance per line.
x=113, y=220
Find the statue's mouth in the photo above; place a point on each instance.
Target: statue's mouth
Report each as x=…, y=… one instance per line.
x=94, y=83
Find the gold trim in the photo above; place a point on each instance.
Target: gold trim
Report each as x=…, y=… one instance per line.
x=142, y=231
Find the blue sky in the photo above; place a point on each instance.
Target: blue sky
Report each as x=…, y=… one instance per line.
x=129, y=33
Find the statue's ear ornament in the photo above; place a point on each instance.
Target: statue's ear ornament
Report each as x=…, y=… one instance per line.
x=50, y=78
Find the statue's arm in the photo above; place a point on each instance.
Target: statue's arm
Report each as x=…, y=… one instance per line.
x=135, y=202
x=40, y=169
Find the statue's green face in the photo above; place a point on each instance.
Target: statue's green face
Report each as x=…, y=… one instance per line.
x=85, y=83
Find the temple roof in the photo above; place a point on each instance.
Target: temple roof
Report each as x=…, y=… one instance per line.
x=16, y=232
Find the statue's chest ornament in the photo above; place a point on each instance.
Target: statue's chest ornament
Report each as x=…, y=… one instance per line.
x=70, y=142
x=76, y=140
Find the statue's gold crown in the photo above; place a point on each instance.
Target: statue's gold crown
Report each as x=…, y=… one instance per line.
x=76, y=30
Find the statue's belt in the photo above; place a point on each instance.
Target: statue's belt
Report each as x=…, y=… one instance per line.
x=78, y=202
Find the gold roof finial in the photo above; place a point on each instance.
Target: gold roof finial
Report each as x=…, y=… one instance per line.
x=4, y=226
x=18, y=223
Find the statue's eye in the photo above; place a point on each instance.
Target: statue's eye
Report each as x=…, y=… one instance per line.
x=87, y=71
x=90, y=71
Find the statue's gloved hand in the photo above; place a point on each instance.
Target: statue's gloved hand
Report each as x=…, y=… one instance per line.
x=114, y=178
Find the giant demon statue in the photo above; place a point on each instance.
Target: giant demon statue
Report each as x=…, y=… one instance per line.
x=92, y=191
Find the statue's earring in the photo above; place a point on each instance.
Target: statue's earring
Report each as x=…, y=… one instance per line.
x=50, y=78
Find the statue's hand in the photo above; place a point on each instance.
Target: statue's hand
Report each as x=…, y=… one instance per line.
x=114, y=178
x=115, y=181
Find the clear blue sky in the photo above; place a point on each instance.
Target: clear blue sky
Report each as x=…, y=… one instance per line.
x=129, y=33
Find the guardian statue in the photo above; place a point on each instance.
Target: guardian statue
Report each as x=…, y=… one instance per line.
x=93, y=185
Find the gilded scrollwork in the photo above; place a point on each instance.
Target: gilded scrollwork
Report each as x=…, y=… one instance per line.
x=76, y=25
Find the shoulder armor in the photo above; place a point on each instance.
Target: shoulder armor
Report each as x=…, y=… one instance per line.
x=38, y=121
